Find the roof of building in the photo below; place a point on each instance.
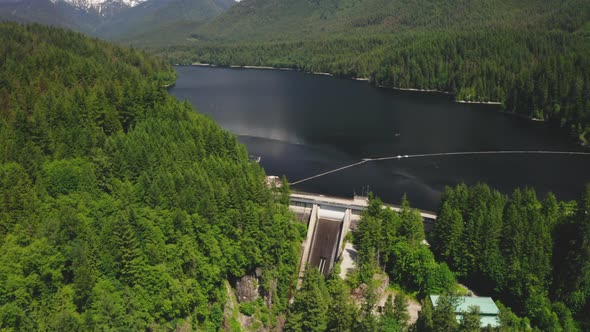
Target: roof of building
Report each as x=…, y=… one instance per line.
x=488, y=310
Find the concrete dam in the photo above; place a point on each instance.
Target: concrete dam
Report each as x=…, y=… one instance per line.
x=329, y=219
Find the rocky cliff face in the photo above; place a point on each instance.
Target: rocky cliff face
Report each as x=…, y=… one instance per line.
x=249, y=302
x=247, y=289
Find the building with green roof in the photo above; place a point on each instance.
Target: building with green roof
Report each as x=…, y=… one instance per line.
x=488, y=311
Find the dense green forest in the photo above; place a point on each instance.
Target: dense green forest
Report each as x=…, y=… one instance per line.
x=280, y=20
x=385, y=240
x=392, y=243
x=151, y=22
x=158, y=21
x=533, y=255
x=531, y=56
x=122, y=209
x=327, y=305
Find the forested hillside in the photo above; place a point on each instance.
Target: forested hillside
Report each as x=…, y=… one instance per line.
x=279, y=20
x=531, y=56
x=160, y=21
x=533, y=255
x=120, y=207
x=39, y=11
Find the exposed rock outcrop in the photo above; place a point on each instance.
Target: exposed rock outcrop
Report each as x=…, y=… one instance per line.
x=247, y=289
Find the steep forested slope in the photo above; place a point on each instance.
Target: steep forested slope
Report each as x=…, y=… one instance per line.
x=40, y=11
x=533, y=255
x=531, y=56
x=160, y=21
x=120, y=207
x=151, y=22
x=280, y=19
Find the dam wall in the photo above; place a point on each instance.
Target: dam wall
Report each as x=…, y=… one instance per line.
x=329, y=219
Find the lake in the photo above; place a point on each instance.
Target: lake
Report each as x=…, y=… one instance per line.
x=302, y=124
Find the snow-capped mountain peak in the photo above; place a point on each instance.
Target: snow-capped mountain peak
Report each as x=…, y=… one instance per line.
x=102, y=7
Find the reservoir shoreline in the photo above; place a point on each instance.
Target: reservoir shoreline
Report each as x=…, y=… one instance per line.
x=302, y=126
x=367, y=80
x=361, y=79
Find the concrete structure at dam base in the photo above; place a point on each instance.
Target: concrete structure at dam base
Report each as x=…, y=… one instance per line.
x=329, y=219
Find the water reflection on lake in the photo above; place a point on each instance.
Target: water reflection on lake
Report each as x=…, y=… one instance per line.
x=303, y=124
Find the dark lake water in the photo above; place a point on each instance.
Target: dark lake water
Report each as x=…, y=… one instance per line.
x=301, y=125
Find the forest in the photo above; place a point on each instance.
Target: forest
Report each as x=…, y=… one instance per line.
x=124, y=209
x=121, y=208
x=531, y=256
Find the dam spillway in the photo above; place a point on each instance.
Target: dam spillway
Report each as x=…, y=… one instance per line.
x=329, y=219
x=326, y=238
x=324, y=245
x=327, y=227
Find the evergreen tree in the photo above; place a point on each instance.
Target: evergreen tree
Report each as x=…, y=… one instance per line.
x=389, y=228
x=401, y=313
x=368, y=321
x=388, y=321
x=367, y=238
x=447, y=233
x=130, y=255
x=425, y=321
x=509, y=322
x=340, y=309
x=284, y=191
x=470, y=320
x=443, y=315
x=572, y=258
x=309, y=309
x=551, y=211
x=412, y=226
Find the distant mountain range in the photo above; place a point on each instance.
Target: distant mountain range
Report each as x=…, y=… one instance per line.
x=166, y=20
x=124, y=20
x=267, y=20
x=104, y=8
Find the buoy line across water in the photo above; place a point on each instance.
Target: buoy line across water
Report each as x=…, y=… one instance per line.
x=441, y=154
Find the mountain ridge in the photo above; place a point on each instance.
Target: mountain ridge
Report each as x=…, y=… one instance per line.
x=153, y=17
x=121, y=20
x=275, y=19
x=35, y=11
x=102, y=7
